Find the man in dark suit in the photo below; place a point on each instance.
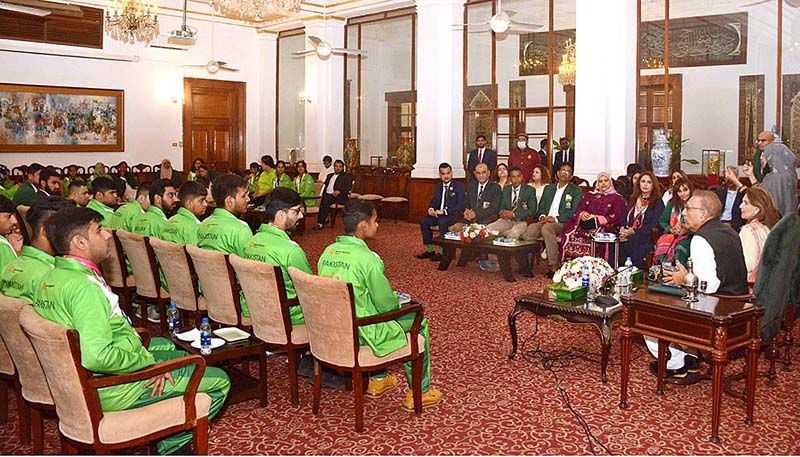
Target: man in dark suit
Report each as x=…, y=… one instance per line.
x=447, y=201
x=565, y=155
x=483, y=199
x=336, y=189
x=481, y=154
x=731, y=198
x=544, y=148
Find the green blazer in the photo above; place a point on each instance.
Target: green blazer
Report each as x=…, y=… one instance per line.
x=569, y=201
x=526, y=202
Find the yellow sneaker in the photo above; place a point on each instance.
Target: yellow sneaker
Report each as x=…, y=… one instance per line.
x=429, y=398
x=378, y=387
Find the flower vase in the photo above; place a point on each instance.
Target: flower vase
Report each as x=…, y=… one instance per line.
x=661, y=155
x=405, y=154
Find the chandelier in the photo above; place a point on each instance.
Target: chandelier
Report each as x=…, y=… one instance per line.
x=255, y=9
x=130, y=21
x=566, y=71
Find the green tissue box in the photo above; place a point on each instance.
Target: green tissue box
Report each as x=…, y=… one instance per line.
x=638, y=277
x=565, y=294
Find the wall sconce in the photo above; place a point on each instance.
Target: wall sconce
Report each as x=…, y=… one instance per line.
x=304, y=98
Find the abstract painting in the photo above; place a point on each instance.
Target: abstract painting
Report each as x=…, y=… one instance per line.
x=751, y=114
x=53, y=119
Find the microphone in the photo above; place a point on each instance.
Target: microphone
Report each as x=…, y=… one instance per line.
x=604, y=301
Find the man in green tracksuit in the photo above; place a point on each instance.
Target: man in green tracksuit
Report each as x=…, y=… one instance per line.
x=272, y=244
x=105, y=196
x=125, y=216
x=223, y=231
x=22, y=276
x=10, y=239
x=183, y=226
x=349, y=259
x=163, y=198
x=75, y=295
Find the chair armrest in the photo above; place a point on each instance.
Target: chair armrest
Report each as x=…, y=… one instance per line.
x=391, y=315
x=745, y=297
x=144, y=334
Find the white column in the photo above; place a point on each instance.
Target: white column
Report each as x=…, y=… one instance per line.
x=605, y=98
x=440, y=63
x=267, y=88
x=324, y=116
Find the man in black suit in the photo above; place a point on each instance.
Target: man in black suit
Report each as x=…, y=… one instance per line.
x=731, y=198
x=481, y=154
x=336, y=189
x=565, y=155
x=544, y=148
x=483, y=199
x=447, y=201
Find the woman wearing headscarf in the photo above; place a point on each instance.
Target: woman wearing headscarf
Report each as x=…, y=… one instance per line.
x=100, y=171
x=597, y=210
x=167, y=172
x=781, y=181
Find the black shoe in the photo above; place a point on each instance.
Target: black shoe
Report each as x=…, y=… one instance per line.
x=550, y=274
x=436, y=257
x=318, y=226
x=330, y=380
x=306, y=367
x=691, y=363
x=678, y=374
x=526, y=274
x=426, y=255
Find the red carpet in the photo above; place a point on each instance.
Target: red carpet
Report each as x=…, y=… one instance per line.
x=492, y=405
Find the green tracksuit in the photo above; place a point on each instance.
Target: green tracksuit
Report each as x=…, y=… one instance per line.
x=22, y=276
x=272, y=245
x=224, y=232
x=7, y=252
x=305, y=187
x=265, y=182
x=151, y=223
x=75, y=296
x=26, y=194
x=284, y=181
x=182, y=228
x=104, y=211
x=125, y=216
x=349, y=259
x=66, y=182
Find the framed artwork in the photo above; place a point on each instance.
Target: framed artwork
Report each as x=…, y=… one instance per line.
x=61, y=119
x=751, y=114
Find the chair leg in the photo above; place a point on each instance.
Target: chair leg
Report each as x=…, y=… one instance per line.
x=162, y=309
x=37, y=427
x=23, y=415
x=788, y=321
x=416, y=384
x=200, y=437
x=127, y=302
x=292, y=356
x=772, y=354
x=317, y=387
x=66, y=447
x=358, y=395
x=3, y=403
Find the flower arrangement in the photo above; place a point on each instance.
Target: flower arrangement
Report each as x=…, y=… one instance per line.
x=477, y=232
x=571, y=272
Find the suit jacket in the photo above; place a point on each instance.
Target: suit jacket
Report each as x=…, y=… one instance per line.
x=526, y=202
x=344, y=184
x=736, y=214
x=557, y=160
x=487, y=207
x=543, y=158
x=569, y=201
x=454, y=200
x=489, y=158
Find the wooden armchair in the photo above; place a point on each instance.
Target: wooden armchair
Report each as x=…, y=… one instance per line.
x=220, y=288
x=83, y=423
x=264, y=289
x=115, y=272
x=33, y=398
x=145, y=269
x=330, y=314
x=181, y=277
x=9, y=378
x=396, y=191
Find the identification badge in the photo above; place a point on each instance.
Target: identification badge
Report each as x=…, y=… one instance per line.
x=486, y=205
x=525, y=206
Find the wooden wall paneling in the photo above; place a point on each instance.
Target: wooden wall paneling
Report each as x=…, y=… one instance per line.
x=420, y=191
x=214, y=123
x=84, y=29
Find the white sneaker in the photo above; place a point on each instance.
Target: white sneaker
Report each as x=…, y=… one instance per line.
x=544, y=255
x=153, y=315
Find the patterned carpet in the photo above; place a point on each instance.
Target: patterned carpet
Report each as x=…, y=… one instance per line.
x=493, y=405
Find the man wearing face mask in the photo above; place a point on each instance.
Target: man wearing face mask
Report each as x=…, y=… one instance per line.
x=523, y=157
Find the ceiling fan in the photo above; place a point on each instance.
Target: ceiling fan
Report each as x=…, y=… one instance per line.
x=322, y=48
x=501, y=23
x=24, y=9
x=213, y=65
x=185, y=36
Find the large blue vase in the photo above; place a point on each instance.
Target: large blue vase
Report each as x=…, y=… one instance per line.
x=661, y=155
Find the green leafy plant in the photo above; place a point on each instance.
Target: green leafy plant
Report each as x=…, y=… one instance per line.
x=676, y=144
x=557, y=145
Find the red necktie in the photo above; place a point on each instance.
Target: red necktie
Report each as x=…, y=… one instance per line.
x=480, y=156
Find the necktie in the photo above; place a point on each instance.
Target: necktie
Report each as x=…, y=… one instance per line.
x=480, y=192
x=514, y=199
x=444, y=197
x=480, y=155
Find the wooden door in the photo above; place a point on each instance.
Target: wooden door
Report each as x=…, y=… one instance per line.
x=214, y=123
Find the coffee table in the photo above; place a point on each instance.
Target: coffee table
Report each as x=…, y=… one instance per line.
x=577, y=311
x=468, y=250
x=243, y=386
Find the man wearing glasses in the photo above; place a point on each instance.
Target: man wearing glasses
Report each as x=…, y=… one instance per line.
x=559, y=202
x=718, y=259
x=272, y=244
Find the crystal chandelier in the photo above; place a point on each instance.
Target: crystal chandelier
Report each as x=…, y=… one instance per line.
x=130, y=21
x=255, y=9
x=566, y=71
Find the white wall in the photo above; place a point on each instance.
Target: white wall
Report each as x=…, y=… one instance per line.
x=291, y=83
x=152, y=121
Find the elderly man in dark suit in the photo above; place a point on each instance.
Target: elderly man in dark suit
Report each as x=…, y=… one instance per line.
x=447, y=201
x=481, y=154
x=336, y=189
x=483, y=199
x=565, y=155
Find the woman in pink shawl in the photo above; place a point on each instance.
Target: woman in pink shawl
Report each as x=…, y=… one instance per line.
x=599, y=209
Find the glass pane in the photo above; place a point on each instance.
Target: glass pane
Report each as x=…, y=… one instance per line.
x=522, y=57
x=479, y=57
x=291, y=83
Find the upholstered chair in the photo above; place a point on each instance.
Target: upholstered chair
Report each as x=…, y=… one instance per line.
x=115, y=272
x=181, y=277
x=220, y=289
x=145, y=269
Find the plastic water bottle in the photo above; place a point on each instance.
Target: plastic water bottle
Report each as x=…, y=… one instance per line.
x=586, y=281
x=627, y=275
x=205, y=337
x=174, y=319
